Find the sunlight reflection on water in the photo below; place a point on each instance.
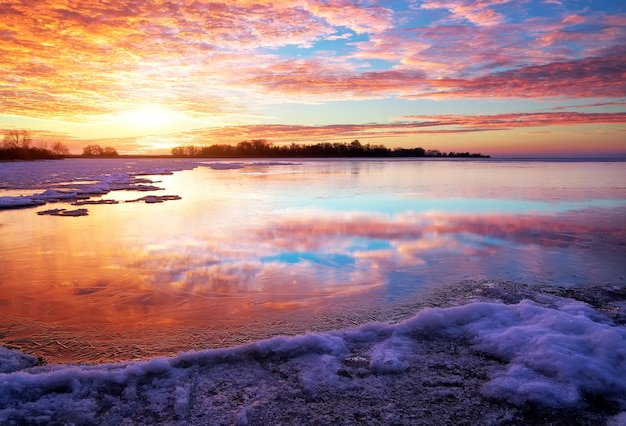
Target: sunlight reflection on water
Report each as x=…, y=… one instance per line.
x=314, y=245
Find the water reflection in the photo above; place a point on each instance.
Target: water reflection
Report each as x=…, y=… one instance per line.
x=246, y=253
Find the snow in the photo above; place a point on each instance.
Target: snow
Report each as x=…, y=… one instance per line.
x=483, y=361
x=13, y=360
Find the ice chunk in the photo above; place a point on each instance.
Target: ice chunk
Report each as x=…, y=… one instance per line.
x=51, y=195
x=224, y=166
x=152, y=199
x=64, y=212
x=18, y=202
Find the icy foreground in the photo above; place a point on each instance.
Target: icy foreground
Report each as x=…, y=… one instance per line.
x=509, y=355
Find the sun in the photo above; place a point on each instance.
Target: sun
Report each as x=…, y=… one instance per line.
x=149, y=119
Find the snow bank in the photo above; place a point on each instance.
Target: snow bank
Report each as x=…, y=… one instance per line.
x=486, y=361
x=552, y=355
x=13, y=360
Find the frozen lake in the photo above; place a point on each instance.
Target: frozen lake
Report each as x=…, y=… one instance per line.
x=498, y=286
x=258, y=248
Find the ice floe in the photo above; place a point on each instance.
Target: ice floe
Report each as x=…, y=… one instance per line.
x=80, y=193
x=224, y=166
x=101, y=181
x=18, y=202
x=94, y=202
x=152, y=199
x=235, y=166
x=64, y=212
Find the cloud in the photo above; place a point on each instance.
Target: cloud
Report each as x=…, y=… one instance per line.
x=406, y=125
x=344, y=36
x=403, y=126
x=478, y=12
x=513, y=120
x=80, y=60
x=344, y=13
x=583, y=78
x=592, y=105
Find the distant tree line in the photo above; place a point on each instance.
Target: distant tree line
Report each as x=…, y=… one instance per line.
x=18, y=145
x=98, y=151
x=263, y=148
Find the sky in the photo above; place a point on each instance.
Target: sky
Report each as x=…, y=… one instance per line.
x=500, y=77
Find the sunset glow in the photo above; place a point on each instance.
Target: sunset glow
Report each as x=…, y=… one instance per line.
x=503, y=77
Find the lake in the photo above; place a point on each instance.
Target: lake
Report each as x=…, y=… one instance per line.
x=256, y=248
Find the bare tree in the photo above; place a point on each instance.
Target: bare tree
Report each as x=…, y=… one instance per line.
x=98, y=151
x=109, y=151
x=60, y=149
x=17, y=139
x=92, y=151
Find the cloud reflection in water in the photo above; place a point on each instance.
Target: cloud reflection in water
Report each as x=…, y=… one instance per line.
x=320, y=254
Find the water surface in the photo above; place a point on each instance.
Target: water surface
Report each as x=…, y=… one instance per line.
x=259, y=248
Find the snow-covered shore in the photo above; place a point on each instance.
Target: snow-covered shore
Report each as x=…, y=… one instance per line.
x=505, y=354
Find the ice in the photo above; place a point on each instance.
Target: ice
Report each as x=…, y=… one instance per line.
x=152, y=199
x=64, y=212
x=224, y=166
x=481, y=362
x=235, y=166
x=20, y=201
x=108, y=176
x=51, y=195
x=80, y=192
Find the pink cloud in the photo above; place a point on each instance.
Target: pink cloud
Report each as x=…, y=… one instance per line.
x=590, y=77
x=513, y=120
x=344, y=13
x=478, y=12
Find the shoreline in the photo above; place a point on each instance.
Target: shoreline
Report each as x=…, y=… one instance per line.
x=448, y=364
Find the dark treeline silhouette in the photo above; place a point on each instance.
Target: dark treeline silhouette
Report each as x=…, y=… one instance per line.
x=263, y=148
x=18, y=145
x=98, y=151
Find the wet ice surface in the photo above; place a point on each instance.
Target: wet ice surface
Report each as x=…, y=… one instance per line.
x=238, y=252
x=506, y=353
x=46, y=174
